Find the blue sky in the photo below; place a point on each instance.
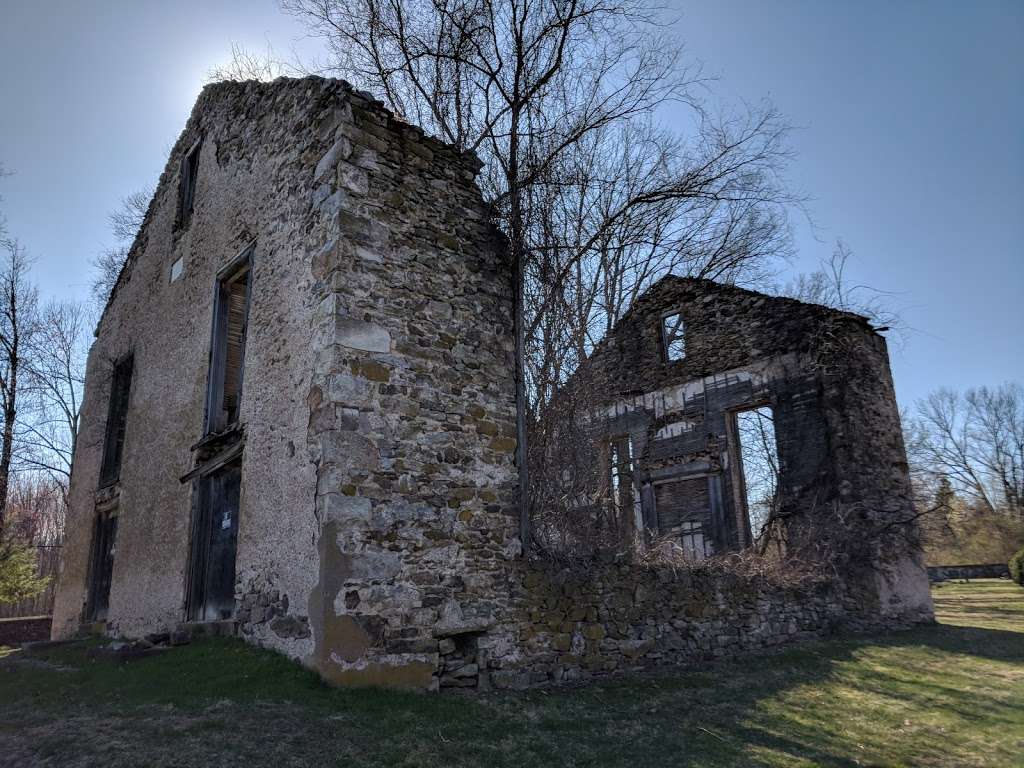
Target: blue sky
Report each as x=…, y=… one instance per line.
x=910, y=142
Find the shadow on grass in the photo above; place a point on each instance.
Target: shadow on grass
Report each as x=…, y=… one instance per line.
x=904, y=698
x=839, y=703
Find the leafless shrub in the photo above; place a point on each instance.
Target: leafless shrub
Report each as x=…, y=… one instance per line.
x=245, y=64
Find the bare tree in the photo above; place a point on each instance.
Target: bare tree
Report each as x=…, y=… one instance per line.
x=18, y=324
x=976, y=440
x=125, y=223
x=55, y=377
x=553, y=96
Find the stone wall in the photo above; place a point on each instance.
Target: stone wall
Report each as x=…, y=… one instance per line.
x=26, y=629
x=259, y=145
x=377, y=408
x=977, y=571
x=825, y=375
x=412, y=426
x=378, y=538
x=612, y=616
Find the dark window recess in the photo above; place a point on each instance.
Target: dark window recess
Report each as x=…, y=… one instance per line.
x=117, y=420
x=211, y=593
x=227, y=349
x=101, y=566
x=673, y=338
x=187, y=190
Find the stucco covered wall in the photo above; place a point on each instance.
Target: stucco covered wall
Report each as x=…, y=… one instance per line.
x=377, y=407
x=256, y=148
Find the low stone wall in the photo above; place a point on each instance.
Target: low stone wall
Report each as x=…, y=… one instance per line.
x=24, y=630
x=623, y=617
x=977, y=571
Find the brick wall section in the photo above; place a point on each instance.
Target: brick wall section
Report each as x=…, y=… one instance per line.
x=24, y=630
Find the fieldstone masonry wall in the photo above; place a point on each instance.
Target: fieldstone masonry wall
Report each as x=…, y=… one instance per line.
x=377, y=533
x=411, y=406
x=620, y=617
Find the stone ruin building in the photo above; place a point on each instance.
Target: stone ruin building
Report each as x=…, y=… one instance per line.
x=299, y=427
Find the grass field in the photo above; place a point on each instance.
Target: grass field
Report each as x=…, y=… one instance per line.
x=945, y=695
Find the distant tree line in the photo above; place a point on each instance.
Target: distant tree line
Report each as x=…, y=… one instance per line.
x=966, y=452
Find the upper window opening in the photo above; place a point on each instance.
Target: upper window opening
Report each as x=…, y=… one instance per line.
x=117, y=421
x=227, y=352
x=189, y=172
x=673, y=337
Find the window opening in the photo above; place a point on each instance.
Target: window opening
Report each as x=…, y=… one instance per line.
x=621, y=466
x=695, y=545
x=673, y=337
x=101, y=566
x=759, y=463
x=227, y=349
x=117, y=422
x=189, y=172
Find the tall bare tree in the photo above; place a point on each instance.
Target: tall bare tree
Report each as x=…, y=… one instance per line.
x=55, y=377
x=18, y=324
x=554, y=96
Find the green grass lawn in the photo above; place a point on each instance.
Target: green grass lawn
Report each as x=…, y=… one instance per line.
x=945, y=695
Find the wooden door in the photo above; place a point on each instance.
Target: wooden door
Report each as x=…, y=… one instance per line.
x=101, y=566
x=214, y=544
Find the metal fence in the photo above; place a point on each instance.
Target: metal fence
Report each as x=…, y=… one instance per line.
x=47, y=560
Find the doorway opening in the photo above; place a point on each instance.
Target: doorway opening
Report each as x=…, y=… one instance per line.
x=757, y=470
x=101, y=565
x=211, y=592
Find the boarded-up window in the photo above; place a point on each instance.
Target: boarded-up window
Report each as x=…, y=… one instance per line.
x=673, y=338
x=117, y=422
x=227, y=349
x=683, y=509
x=211, y=590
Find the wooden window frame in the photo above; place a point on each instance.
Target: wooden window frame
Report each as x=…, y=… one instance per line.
x=187, y=183
x=214, y=419
x=670, y=337
x=117, y=420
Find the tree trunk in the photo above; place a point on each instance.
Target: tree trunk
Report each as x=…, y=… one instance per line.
x=518, y=274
